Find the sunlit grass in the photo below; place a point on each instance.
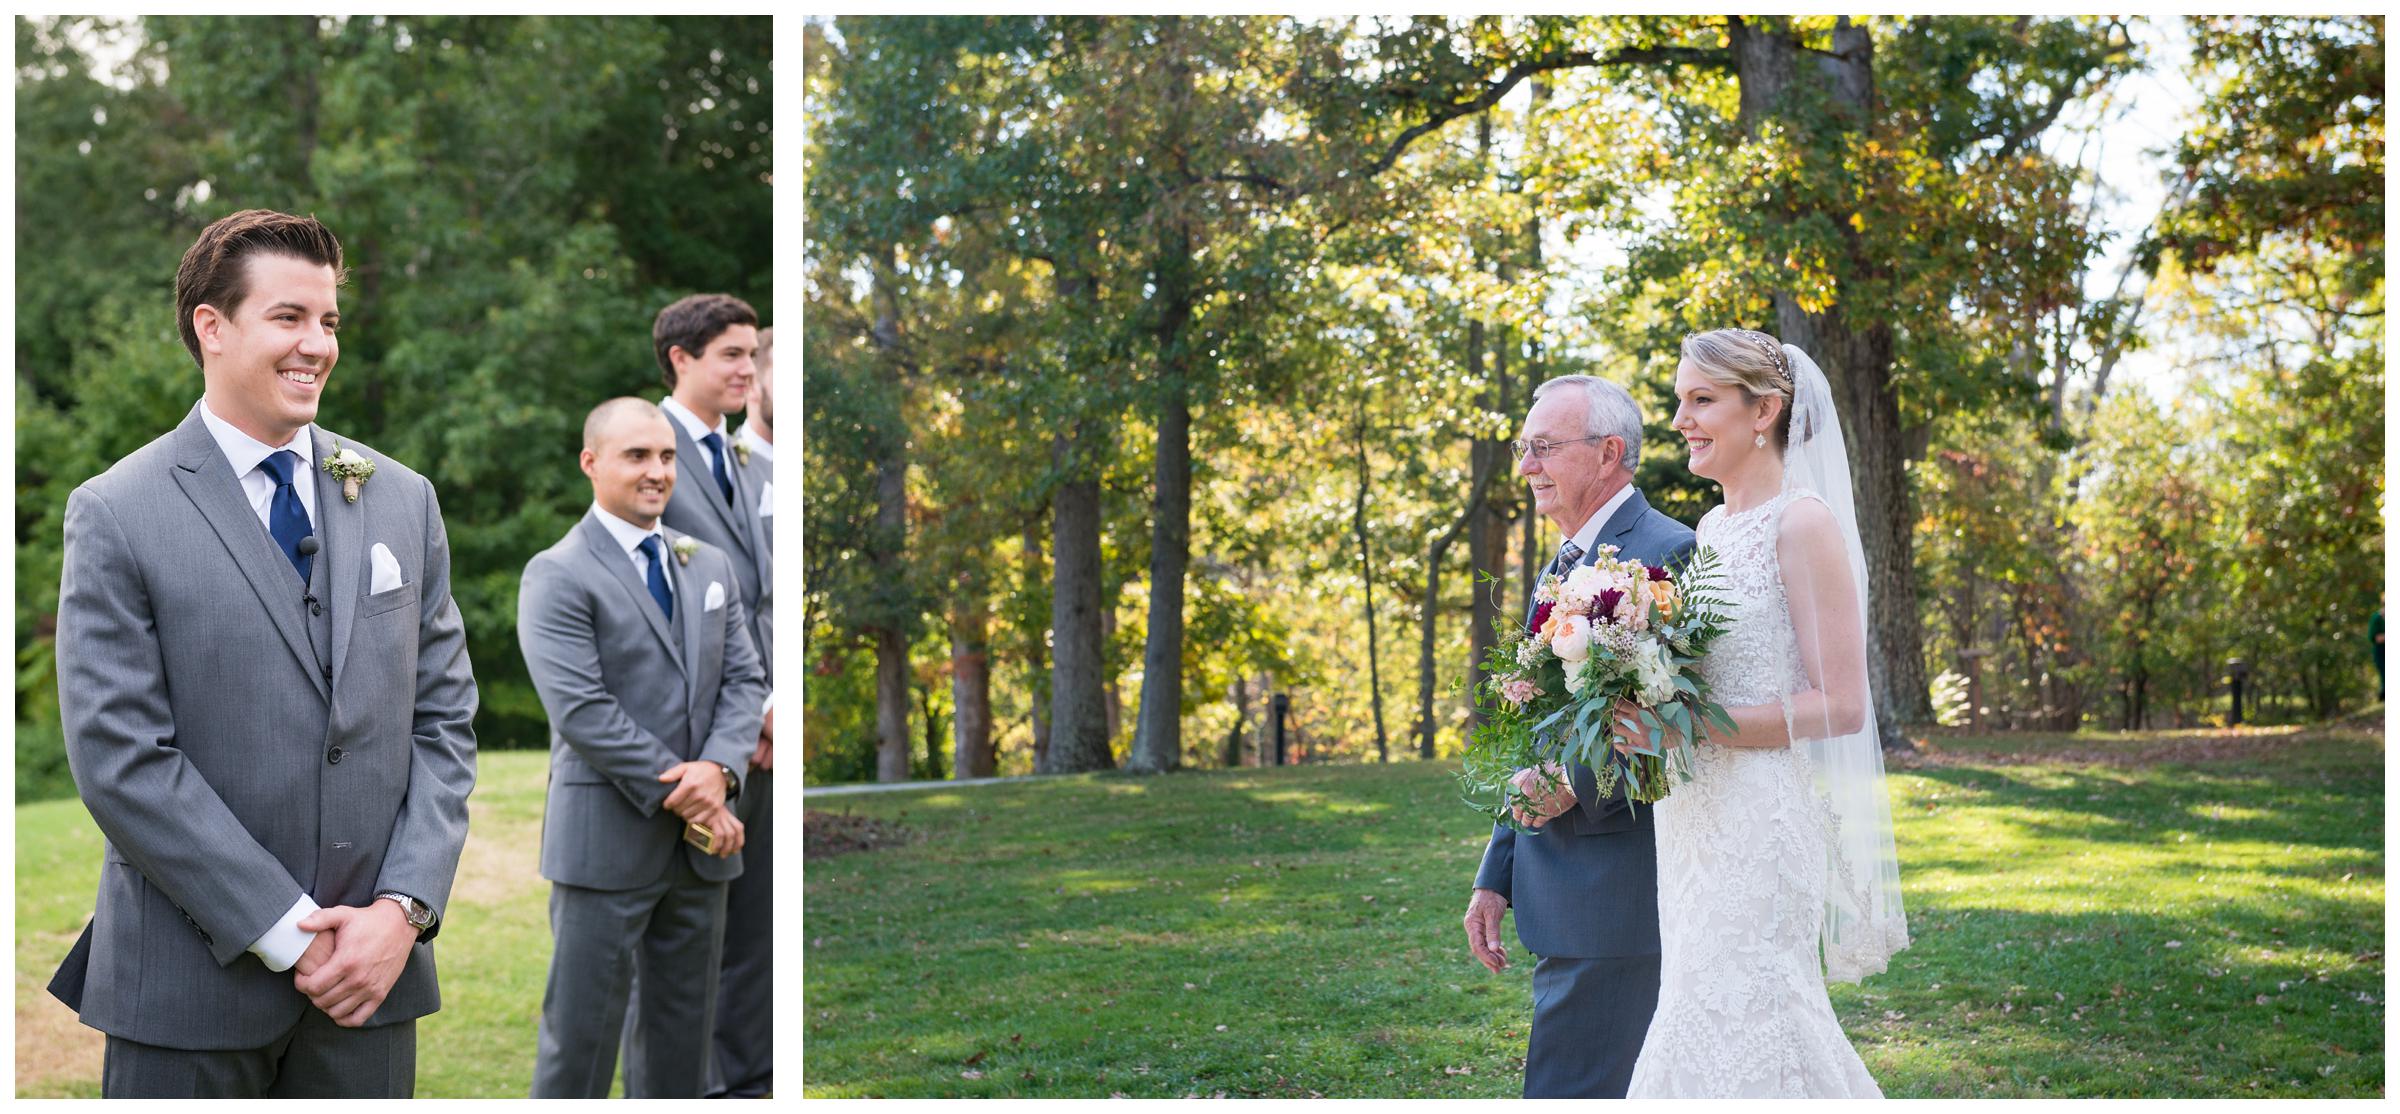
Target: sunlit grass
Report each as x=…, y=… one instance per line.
x=2081, y=929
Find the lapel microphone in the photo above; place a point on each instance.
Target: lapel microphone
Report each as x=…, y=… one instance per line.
x=308, y=548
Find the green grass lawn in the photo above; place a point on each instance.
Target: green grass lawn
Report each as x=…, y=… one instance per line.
x=2157, y=915
x=494, y=950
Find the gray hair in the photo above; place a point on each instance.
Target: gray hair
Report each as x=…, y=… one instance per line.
x=1612, y=412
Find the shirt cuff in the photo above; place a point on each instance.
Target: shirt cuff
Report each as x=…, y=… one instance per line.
x=770, y=704
x=283, y=944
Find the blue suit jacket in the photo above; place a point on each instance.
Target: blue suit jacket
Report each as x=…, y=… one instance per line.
x=1586, y=883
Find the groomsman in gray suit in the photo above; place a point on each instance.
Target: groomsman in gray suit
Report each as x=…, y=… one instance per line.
x=267, y=703
x=746, y=991
x=639, y=647
x=710, y=352
x=1585, y=882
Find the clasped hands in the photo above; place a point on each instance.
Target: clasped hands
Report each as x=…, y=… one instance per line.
x=354, y=959
x=1544, y=792
x=699, y=798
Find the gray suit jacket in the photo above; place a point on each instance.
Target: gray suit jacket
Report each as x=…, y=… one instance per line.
x=233, y=763
x=759, y=477
x=695, y=508
x=627, y=699
x=1586, y=883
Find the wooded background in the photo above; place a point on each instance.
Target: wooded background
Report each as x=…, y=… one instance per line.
x=516, y=199
x=1155, y=365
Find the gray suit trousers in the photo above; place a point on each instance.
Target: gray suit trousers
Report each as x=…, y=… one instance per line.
x=746, y=994
x=1589, y=1017
x=672, y=933
x=316, y=1059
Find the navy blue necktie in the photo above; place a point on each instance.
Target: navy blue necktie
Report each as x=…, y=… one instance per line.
x=716, y=460
x=658, y=576
x=287, y=520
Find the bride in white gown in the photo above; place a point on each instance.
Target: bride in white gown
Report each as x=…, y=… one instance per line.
x=1777, y=856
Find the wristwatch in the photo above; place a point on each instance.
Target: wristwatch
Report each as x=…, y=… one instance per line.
x=419, y=914
x=733, y=783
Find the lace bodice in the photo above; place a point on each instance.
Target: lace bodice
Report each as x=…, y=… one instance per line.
x=1757, y=659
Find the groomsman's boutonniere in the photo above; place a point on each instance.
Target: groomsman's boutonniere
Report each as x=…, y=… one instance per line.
x=350, y=468
x=741, y=453
x=684, y=548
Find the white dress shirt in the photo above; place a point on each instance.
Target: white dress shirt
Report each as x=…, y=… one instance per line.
x=758, y=445
x=692, y=424
x=1589, y=536
x=630, y=537
x=245, y=454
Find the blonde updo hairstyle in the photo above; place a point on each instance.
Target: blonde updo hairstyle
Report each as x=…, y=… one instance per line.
x=1750, y=361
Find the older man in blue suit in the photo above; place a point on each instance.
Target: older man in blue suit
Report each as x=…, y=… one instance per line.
x=1584, y=882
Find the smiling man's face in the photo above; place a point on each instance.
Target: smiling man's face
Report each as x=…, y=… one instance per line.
x=1571, y=483
x=266, y=359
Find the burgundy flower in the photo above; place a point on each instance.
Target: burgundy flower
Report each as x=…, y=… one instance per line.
x=1656, y=573
x=1541, y=615
x=1604, y=606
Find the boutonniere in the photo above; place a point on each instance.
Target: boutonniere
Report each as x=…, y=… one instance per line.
x=684, y=548
x=350, y=468
x=741, y=453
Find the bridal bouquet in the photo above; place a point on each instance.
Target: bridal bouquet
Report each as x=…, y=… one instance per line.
x=1604, y=632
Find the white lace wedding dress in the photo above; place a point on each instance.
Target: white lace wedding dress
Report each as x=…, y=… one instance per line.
x=1742, y=864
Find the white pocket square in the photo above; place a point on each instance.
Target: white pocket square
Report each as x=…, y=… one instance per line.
x=766, y=499
x=383, y=570
x=715, y=598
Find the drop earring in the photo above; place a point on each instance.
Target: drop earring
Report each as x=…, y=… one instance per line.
x=1759, y=441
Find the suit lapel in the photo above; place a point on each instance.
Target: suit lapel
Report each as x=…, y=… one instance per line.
x=343, y=526
x=690, y=606
x=727, y=516
x=614, y=564
x=1621, y=524
x=209, y=482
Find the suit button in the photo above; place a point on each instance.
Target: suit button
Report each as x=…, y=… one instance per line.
x=334, y=756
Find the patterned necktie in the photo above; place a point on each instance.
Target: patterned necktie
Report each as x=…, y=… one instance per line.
x=716, y=461
x=287, y=519
x=1568, y=554
x=657, y=575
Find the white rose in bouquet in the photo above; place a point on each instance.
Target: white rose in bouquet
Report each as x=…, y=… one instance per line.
x=1573, y=641
x=1655, y=674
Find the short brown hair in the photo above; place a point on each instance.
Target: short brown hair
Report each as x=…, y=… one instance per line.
x=213, y=272
x=691, y=323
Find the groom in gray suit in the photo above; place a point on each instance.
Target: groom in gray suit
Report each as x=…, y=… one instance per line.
x=713, y=357
x=267, y=703
x=1584, y=883
x=640, y=650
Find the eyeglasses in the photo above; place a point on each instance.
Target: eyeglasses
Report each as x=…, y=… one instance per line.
x=1542, y=447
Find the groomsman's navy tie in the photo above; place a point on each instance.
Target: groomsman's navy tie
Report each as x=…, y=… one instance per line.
x=658, y=576
x=287, y=520
x=716, y=460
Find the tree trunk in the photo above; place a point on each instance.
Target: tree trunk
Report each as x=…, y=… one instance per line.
x=971, y=692
x=1487, y=531
x=1241, y=721
x=1078, y=718
x=1366, y=586
x=1858, y=362
x=1036, y=650
x=933, y=735
x=1431, y=609
x=890, y=549
x=1158, y=730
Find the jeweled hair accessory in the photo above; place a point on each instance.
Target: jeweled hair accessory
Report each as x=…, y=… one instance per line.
x=1774, y=351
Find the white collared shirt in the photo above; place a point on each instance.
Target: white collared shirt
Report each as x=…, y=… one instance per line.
x=1589, y=536
x=692, y=424
x=245, y=453
x=630, y=537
